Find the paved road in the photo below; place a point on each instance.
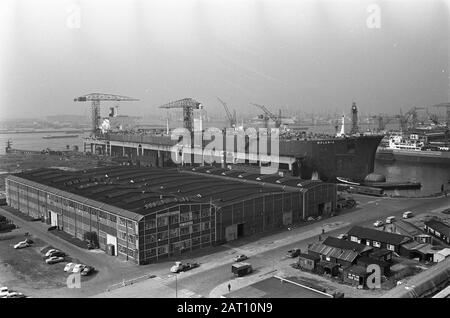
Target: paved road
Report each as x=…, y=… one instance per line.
x=266, y=253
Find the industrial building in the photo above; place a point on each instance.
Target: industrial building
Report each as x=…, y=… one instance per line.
x=148, y=214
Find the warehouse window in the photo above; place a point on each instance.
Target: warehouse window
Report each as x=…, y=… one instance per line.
x=184, y=217
x=112, y=218
x=376, y=244
x=205, y=239
x=150, y=253
x=195, y=228
x=163, y=221
x=205, y=212
x=122, y=235
x=174, y=219
x=163, y=235
x=195, y=215
x=205, y=226
x=131, y=239
x=184, y=230
x=173, y=233
x=391, y=247
x=122, y=222
x=150, y=224
x=162, y=249
x=150, y=238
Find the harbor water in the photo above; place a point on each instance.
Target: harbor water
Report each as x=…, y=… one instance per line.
x=431, y=176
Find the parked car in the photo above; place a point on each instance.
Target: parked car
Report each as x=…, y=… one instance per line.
x=51, y=228
x=378, y=223
x=54, y=259
x=57, y=253
x=78, y=268
x=180, y=267
x=390, y=219
x=50, y=252
x=15, y=295
x=240, y=258
x=29, y=241
x=343, y=236
x=293, y=253
x=69, y=267
x=407, y=215
x=22, y=244
x=88, y=270
x=4, y=291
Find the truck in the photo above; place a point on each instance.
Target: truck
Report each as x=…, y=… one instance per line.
x=241, y=269
x=180, y=267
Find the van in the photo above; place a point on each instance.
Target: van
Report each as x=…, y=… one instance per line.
x=407, y=215
x=241, y=269
x=390, y=219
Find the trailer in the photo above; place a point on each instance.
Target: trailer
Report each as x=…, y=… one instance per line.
x=241, y=269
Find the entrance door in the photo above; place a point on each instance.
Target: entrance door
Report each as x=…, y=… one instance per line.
x=53, y=218
x=113, y=241
x=240, y=230
x=231, y=232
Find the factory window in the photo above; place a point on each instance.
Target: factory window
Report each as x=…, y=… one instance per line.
x=150, y=253
x=93, y=212
x=112, y=218
x=150, y=224
x=162, y=250
x=174, y=219
x=391, y=247
x=131, y=239
x=184, y=217
x=173, y=233
x=130, y=224
x=122, y=222
x=122, y=249
x=185, y=244
x=185, y=230
x=205, y=239
x=195, y=228
x=150, y=238
x=163, y=221
x=376, y=244
x=195, y=215
x=122, y=235
x=101, y=215
x=162, y=235
x=205, y=212
x=205, y=226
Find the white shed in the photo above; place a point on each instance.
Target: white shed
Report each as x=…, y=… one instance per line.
x=441, y=255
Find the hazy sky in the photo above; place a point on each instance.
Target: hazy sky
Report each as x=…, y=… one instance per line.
x=313, y=55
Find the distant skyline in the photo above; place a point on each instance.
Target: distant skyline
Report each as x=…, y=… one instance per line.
x=298, y=55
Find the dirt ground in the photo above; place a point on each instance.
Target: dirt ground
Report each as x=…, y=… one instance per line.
x=25, y=270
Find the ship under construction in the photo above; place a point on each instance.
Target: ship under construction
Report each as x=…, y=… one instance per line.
x=298, y=154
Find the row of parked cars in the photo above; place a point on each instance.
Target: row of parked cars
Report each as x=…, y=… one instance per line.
x=6, y=293
x=54, y=256
x=392, y=219
x=84, y=270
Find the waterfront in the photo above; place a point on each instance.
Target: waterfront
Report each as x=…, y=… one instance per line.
x=431, y=176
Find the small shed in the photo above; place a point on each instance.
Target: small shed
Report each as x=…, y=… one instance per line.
x=441, y=255
x=329, y=268
x=308, y=262
x=355, y=275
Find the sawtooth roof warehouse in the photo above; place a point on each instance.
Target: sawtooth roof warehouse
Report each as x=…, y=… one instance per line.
x=147, y=214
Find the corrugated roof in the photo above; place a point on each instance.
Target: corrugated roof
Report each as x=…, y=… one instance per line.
x=439, y=226
x=348, y=245
x=329, y=251
x=377, y=235
x=145, y=190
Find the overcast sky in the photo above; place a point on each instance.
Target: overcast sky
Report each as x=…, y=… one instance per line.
x=310, y=55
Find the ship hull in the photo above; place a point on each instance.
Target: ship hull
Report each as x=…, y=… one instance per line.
x=436, y=157
x=325, y=158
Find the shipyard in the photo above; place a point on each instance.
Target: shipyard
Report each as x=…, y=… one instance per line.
x=207, y=151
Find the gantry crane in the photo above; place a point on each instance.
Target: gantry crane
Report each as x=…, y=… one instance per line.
x=231, y=118
x=95, y=109
x=188, y=105
x=268, y=115
x=446, y=105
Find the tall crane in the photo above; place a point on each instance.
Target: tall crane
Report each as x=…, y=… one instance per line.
x=446, y=105
x=268, y=115
x=231, y=118
x=383, y=120
x=410, y=117
x=95, y=108
x=188, y=105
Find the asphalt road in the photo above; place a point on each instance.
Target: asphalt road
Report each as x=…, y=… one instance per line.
x=368, y=211
x=266, y=253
